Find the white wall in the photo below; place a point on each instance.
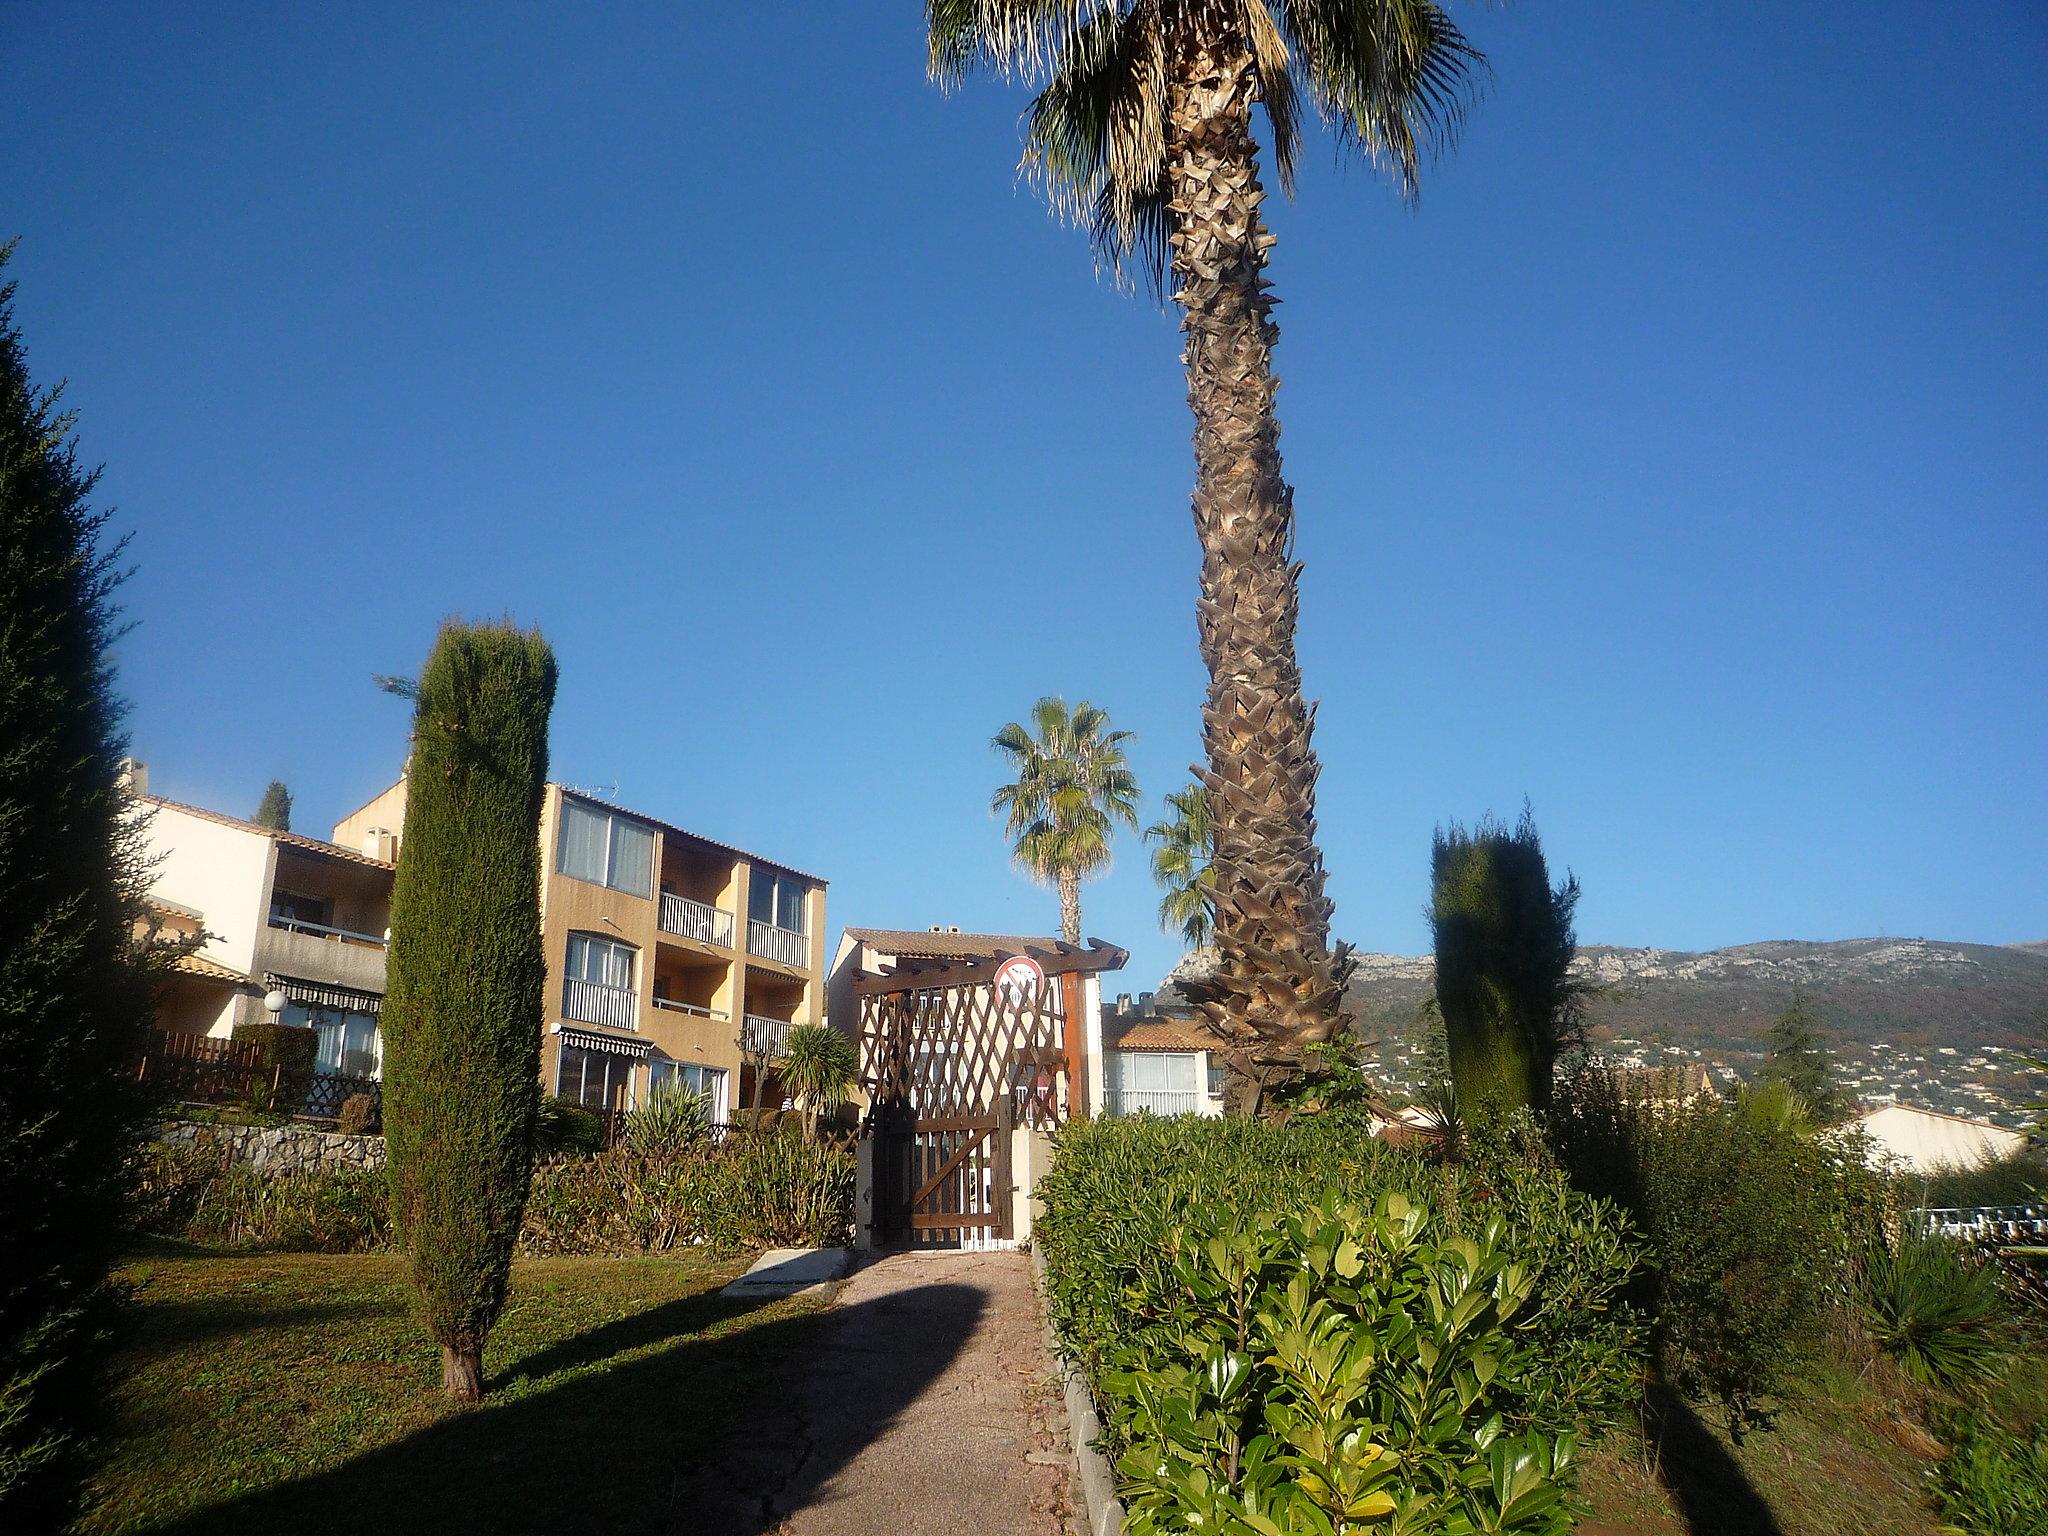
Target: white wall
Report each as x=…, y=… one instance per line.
x=222, y=872
x=1925, y=1141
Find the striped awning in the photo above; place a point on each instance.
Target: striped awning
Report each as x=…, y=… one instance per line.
x=320, y=994
x=598, y=1040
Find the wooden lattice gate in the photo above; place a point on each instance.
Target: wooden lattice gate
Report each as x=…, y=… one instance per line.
x=953, y=1065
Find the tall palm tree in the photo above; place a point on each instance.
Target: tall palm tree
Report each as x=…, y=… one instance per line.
x=1072, y=786
x=1180, y=863
x=1141, y=130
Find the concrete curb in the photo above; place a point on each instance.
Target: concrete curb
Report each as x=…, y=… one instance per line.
x=1091, y=1468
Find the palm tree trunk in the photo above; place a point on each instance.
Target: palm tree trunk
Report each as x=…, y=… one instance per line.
x=1070, y=906
x=1278, y=986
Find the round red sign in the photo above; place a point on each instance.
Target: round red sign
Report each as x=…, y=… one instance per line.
x=1020, y=982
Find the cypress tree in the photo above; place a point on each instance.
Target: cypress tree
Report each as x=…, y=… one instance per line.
x=1504, y=947
x=74, y=994
x=275, y=809
x=1802, y=1060
x=462, y=1008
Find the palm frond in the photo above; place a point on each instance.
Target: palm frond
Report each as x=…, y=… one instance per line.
x=1095, y=136
x=1395, y=79
x=1008, y=37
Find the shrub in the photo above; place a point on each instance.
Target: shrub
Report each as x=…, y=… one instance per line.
x=1993, y=1483
x=1747, y=1222
x=358, y=1115
x=1322, y=1369
x=1935, y=1309
x=192, y=1193
x=668, y=1122
x=289, y=1052
x=462, y=1010
x=563, y=1127
x=1120, y=1189
x=2021, y=1179
x=767, y=1190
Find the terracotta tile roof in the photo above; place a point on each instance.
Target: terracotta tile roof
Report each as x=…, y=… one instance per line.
x=175, y=908
x=1156, y=1034
x=208, y=970
x=917, y=944
x=289, y=839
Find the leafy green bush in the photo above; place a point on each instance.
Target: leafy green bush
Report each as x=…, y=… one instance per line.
x=1120, y=1189
x=1748, y=1222
x=564, y=1128
x=1935, y=1309
x=1993, y=1483
x=1319, y=1370
x=668, y=1122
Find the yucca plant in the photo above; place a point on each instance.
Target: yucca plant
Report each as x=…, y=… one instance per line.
x=672, y=1120
x=819, y=1067
x=1937, y=1313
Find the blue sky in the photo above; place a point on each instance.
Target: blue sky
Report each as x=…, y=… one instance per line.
x=1679, y=463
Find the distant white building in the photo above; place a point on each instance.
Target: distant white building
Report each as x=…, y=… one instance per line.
x=1926, y=1140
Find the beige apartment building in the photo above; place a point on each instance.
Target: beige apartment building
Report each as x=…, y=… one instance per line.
x=673, y=960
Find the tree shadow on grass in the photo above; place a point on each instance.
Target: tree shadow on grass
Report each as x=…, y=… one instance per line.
x=1707, y=1484
x=707, y=1437
x=670, y=1320
x=171, y=1326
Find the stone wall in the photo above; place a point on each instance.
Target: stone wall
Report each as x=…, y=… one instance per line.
x=281, y=1148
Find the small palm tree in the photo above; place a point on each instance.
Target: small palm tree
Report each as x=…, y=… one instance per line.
x=1073, y=785
x=819, y=1068
x=1183, y=843
x=1142, y=132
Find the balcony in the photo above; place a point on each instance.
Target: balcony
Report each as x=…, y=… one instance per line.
x=691, y=919
x=1155, y=1101
x=696, y=1009
x=782, y=945
x=316, y=952
x=764, y=1036
x=591, y=1002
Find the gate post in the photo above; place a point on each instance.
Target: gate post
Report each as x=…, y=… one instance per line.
x=864, y=1237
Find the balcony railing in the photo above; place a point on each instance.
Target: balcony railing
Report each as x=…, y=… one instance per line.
x=1157, y=1101
x=592, y=1002
x=322, y=931
x=691, y=919
x=696, y=1008
x=764, y=1036
x=782, y=945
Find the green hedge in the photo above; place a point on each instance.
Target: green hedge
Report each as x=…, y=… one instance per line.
x=753, y=1192
x=1122, y=1193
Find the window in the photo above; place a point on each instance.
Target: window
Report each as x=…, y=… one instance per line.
x=348, y=1043
x=688, y=1077
x=1156, y=1071
x=601, y=961
x=777, y=899
x=1216, y=1076
x=606, y=848
x=594, y=1079
x=290, y=907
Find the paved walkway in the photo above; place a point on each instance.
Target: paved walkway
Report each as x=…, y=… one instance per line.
x=929, y=1408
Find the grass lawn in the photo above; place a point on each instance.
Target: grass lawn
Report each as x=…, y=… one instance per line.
x=1829, y=1465
x=288, y=1391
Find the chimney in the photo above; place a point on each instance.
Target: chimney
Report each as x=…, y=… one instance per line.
x=132, y=776
x=1123, y=1002
x=379, y=843
x=1144, y=1002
